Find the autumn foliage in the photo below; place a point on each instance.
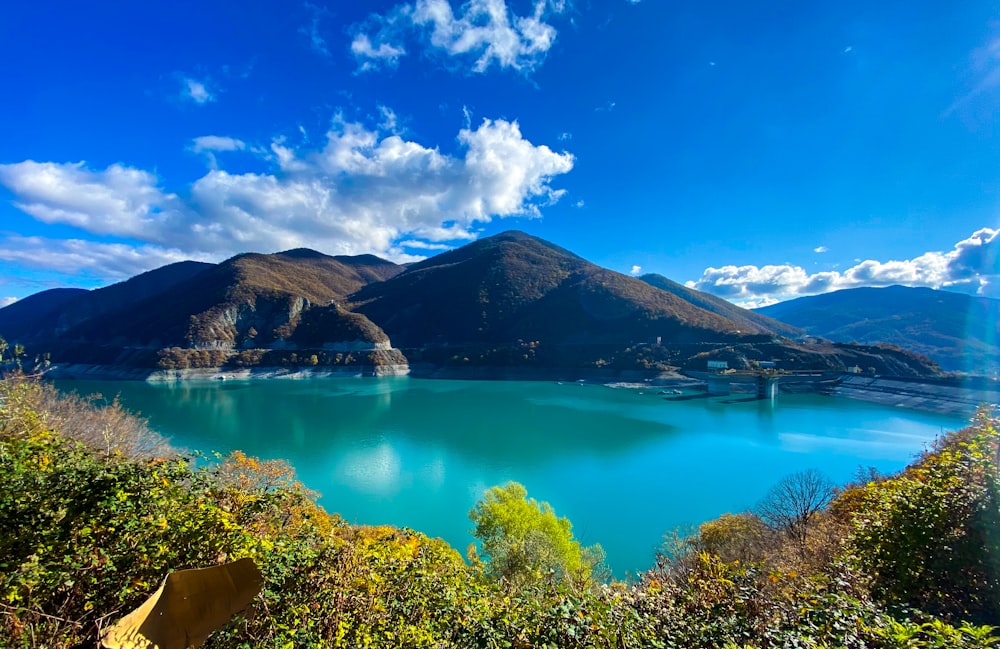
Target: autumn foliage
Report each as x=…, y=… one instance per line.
x=95, y=511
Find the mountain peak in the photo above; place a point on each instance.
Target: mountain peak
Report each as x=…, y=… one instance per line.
x=302, y=253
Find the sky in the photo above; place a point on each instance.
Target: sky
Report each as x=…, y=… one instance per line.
x=757, y=151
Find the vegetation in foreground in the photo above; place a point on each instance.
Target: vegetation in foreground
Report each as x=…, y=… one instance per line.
x=95, y=510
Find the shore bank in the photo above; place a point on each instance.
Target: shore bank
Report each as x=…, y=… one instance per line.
x=937, y=397
x=416, y=370
x=929, y=397
x=568, y=375
x=115, y=373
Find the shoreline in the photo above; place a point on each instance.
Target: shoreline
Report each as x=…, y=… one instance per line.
x=82, y=372
x=926, y=396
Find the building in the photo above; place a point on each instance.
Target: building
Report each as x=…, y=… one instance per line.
x=718, y=366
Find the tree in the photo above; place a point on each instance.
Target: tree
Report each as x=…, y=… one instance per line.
x=792, y=504
x=734, y=537
x=524, y=539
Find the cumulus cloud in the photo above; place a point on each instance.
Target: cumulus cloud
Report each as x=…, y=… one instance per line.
x=635, y=271
x=484, y=32
x=196, y=91
x=971, y=266
x=7, y=301
x=820, y=249
x=118, y=201
x=364, y=191
x=108, y=261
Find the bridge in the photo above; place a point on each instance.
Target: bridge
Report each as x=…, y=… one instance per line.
x=765, y=380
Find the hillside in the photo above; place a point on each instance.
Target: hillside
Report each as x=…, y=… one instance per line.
x=958, y=331
x=251, y=301
x=503, y=301
x=513, y=287
x=717, y=305
x=18, y=320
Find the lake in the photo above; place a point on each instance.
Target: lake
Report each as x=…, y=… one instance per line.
x=625, y=465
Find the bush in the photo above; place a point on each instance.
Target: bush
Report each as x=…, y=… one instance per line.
x=930, y=537
x=86, y=533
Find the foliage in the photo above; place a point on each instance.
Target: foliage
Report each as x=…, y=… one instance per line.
x=930, y=537
x=735, y=537
x=88, y=529
x=525, y=540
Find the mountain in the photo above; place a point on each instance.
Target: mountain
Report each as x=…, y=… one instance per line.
x=717, y=305
x=958, y=331
x=60, y=309
x=18, y=319
x=249, y=301
x=513, y=287
x=507, y=300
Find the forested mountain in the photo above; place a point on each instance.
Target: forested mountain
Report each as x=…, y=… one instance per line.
x=959, y=332
x=251, y=301
x=513, y=286
x=507, y=300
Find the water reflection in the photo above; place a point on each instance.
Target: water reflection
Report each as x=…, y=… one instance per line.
x=623, y=465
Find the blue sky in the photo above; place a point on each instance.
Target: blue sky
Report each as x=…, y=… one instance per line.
x=759, y=152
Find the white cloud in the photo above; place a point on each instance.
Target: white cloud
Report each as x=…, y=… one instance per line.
x=973, y=265
x=423, y=245
x=109, y=261
x=209, y=145
x=370, y=56
x=363, y=192
x=635, y=271
x=820, y=249
x=217, y=143
x=196, y=91
x=7, y=301
x=119, y=201
x=487, y=31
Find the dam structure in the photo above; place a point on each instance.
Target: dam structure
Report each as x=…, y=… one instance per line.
x=719, y=379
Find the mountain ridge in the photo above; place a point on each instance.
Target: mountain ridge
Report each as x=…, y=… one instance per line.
x=956, y=330
x=507, y=300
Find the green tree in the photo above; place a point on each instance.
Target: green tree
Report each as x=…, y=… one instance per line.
x=524, y=539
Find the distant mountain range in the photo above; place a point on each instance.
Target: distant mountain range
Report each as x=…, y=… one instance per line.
x=507, y=300
x=960, y=332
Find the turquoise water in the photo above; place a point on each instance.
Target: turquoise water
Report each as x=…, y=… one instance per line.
x=624, y=465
